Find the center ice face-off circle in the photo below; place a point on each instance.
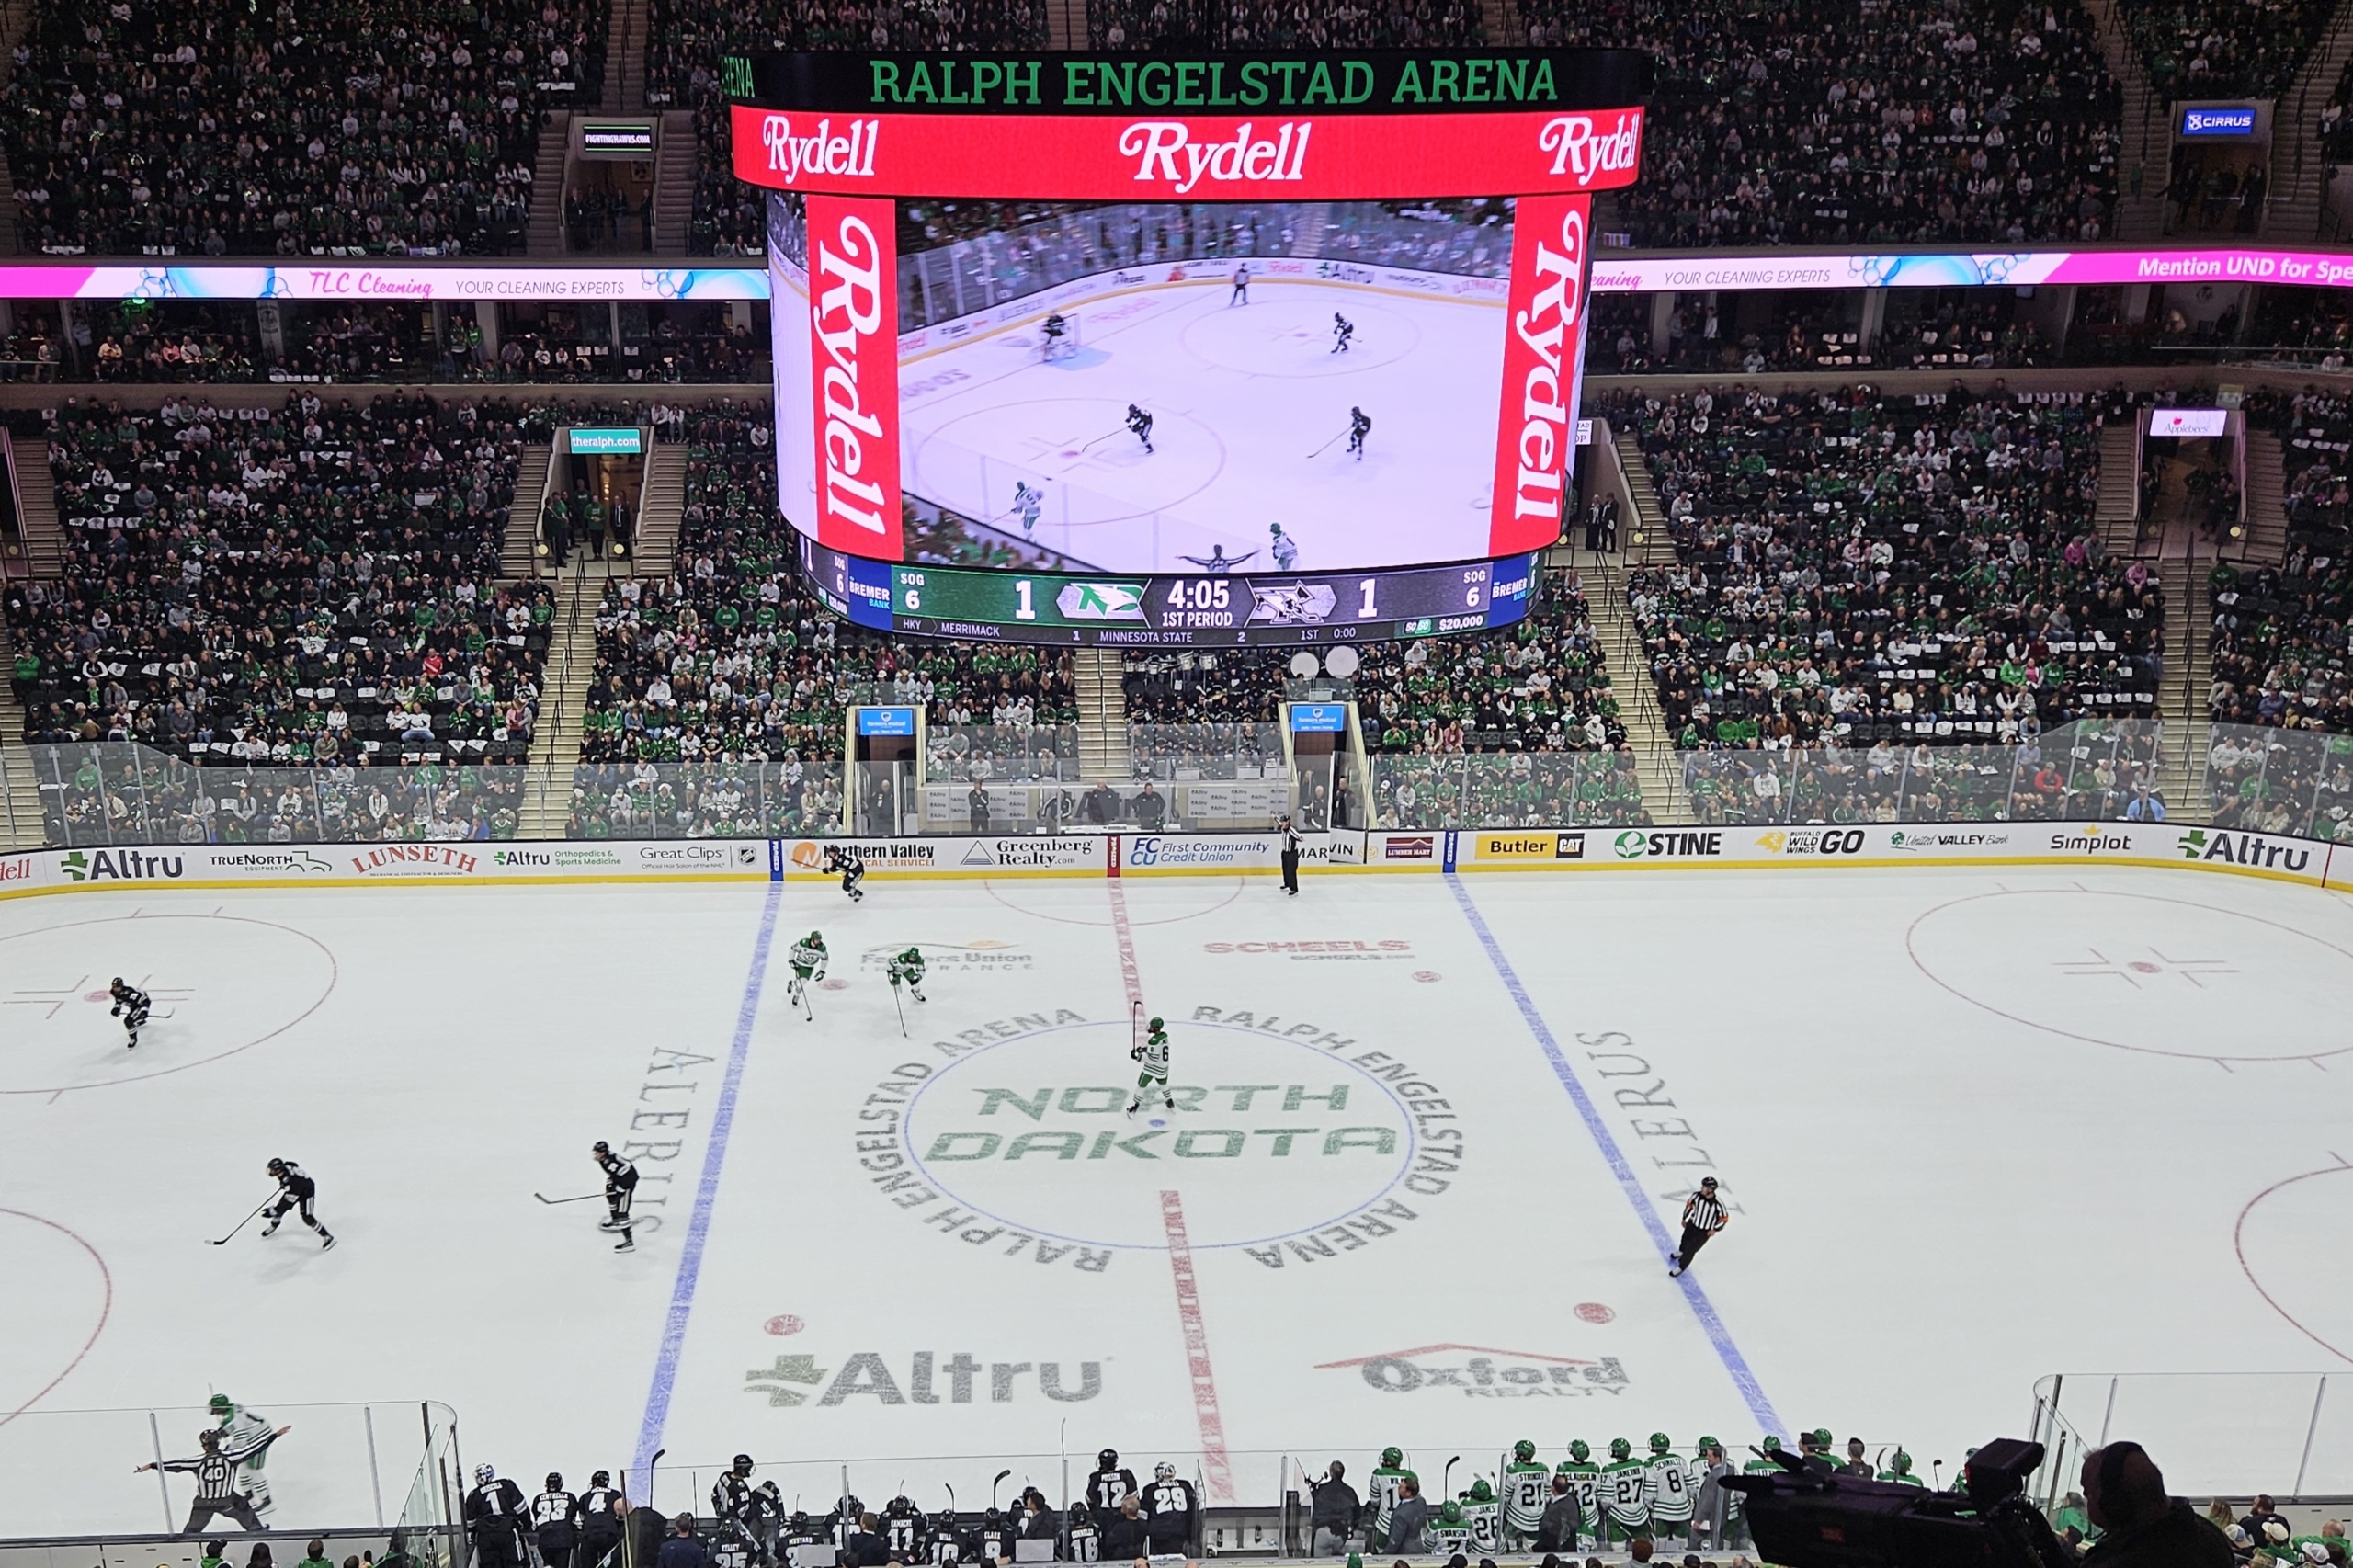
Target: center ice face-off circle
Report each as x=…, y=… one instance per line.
x=218, y=984
x=1271, y=1137
x=2168, y=976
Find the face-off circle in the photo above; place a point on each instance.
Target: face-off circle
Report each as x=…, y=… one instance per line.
x=1032, y=1133
x=784, y=1324
x=2167, y=976
x=60, y=1297
x=2274, y=1237
x=218, y=984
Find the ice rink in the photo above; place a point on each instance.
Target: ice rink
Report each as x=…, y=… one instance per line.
x=1977, y=1127
x=1251, y=412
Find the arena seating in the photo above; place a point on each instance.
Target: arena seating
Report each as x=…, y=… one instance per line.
x=1346, y=24
x=258, y=585
x=1865, y=120
x=688, y=37
x=2284, y=642
x=2223, y=49
x=328, y=130
x=1903, y=569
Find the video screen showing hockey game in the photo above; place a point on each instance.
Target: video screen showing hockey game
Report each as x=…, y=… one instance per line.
x=1176, y=387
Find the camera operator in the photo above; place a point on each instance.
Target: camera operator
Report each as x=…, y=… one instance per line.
x=2124, y=1493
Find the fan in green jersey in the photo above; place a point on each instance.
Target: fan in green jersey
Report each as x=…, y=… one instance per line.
x=1899, y=1472
x=1625, y=1492
x=1667, y=1488
x=1584, y=1481
x=808, y=960
x=1381, y=1493
x=1527, y=1489
x=1153, y=1054
x=906, y=969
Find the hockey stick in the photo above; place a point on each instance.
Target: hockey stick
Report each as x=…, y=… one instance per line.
x=582, y=1198
x=248, y=1220
x=1446, y=1480
x=1000, y=1481
x=1325, y=447
x=1107, y=435
x=902, y=1009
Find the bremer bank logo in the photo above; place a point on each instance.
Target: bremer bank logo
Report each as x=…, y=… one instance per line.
x=1164, y=149
x=853, y=310
x=1547, y=301
x=820, y=151
x=1581, y=149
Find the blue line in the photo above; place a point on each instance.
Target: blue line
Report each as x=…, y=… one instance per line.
x=722, y=1121
x=1628, y=1182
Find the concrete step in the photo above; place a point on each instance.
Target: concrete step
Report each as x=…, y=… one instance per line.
x=21, y=826
x=545, y=229
x=518, y=547
x=661, y=510
x=2117, y=509
x=1098, y=681
x=36, y=507
x=564, y=700
x=1661, y=766
x=674, y=181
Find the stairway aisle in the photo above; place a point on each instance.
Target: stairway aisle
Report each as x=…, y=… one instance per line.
x=1102, y=715
x=563, y=701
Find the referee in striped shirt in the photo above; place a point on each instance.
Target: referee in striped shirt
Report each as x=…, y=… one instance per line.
x=1703, y=1216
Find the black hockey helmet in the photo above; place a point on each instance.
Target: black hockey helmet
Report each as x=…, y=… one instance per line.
x=994, y=1519
x=277, y=1166
x=601, y=1478
x=1109, y=1458
x=900, y=1506
x=743, y=1465
x=601, y=1147
x=1079, y=1513
x=555, y=1482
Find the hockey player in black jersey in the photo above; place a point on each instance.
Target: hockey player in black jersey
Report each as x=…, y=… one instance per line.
x=494, y=1520
x=1359, y=427
x=849, y=867
x=1111, y=1482
x=131, y=1005
x=1141, y=423
x=751, y=1511
x=216, y=1480
x=1170, y=1511
x=296, y=1192
x=1343, y=329
x=620, y=1186
x=555, y=1523
x=600, y=1521
x=903, y=1529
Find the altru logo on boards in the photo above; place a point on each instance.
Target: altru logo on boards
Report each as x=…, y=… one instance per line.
x=122, y=865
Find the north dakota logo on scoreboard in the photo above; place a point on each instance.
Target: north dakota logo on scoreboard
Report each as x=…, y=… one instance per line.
x=1101, y=602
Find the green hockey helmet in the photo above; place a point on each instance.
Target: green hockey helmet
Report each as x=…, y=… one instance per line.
x=1522, y=1451
x=912, y=953
x=1706, y=1443
x=1659, y=1443
x=1822, y=1438
x=816, y=938
x=1772, y=1444
x=1157, y=1024
x=1580, y=1451
x=1481, y=1492
x=1902, y=1463
x=1620, y=1448
x=221, y=1405
x=1450, y=1511
x=1393, y=1458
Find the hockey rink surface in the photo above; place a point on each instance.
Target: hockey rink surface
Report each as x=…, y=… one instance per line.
x=1250, y=408
x=1975, y=1126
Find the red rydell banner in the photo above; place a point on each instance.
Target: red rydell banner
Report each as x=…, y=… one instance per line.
x=1266, y=157
x=1543, y=352
x=854, y=370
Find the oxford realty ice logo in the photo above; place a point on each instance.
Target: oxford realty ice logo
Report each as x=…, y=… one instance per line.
x=924, y=1377
x=1478, y=1372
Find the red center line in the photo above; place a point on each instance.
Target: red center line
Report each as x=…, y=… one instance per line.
x=1197, y=1351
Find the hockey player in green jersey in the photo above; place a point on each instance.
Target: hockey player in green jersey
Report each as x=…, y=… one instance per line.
x=1153, y=1054
x=1449, y=1533
x=1585, y=1480
x=1380, y=1495
x=1899, y=1472
x=808, y=960
x=1625, y=1492
x=1527, y=1487
x=1483, y=1512
x=906, y=969
x=239, y=1428
x=1667, y=1488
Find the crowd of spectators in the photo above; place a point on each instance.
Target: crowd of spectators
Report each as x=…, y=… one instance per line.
x=2315, y=429
x=1288, y=24
x=688, y=38
x=1864, y=121
x=2284, y=642
x=219, y=127
x=1863, y=568
x=306, y=584
x=135, y=341
x=2223, y=49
